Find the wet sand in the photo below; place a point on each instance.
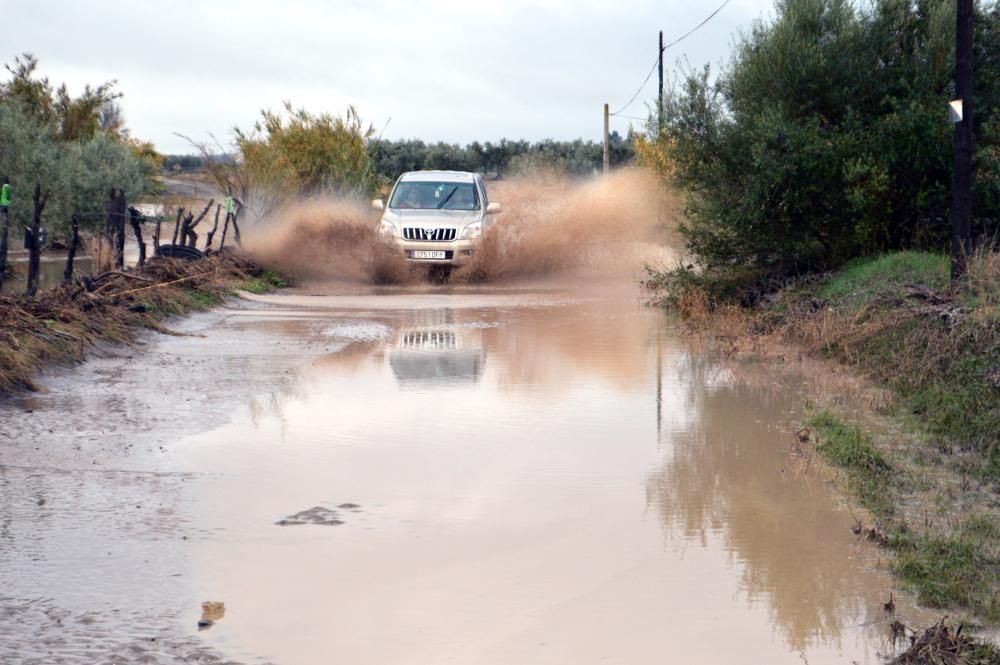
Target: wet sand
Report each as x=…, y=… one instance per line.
x=424, y=476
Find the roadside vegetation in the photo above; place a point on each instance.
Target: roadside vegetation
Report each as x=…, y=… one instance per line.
x=290, y=155
x=817, y=171
x=265, y=282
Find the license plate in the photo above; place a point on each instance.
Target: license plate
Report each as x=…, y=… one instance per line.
x=423, y=254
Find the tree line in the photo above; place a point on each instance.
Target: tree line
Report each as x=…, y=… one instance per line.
x=499, y=159
x=390, y=158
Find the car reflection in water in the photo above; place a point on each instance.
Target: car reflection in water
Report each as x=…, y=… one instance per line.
x=438, y=356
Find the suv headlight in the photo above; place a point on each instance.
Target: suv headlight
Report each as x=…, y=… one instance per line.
x=388, y=229
x=472, y=231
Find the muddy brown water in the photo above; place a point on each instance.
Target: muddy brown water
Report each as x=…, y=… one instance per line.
x=51, y=268
x=424, y=476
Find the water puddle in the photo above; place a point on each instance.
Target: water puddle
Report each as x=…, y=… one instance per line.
x=535, y=484
x=499, y=477
x=51, y=268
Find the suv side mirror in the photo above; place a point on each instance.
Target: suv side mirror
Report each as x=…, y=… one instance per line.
x=378, y=205
x=493, y=208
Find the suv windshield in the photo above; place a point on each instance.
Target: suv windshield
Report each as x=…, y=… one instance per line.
x=418, y=195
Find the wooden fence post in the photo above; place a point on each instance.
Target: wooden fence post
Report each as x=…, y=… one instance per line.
x=185, y=228
x=4, y=225
x=177, y=225
x=156, y=237
x=74, y=242
x=236, y=227
x=191, y=239
x=35, y=246
x=211, y=234
x=109, y=223
x=121, y=210
x=135, y=219
x=225, y=229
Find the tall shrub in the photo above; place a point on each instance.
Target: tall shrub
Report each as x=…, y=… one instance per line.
x=825, y=136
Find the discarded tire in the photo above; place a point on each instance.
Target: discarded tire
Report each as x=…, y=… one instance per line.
x=181, y=252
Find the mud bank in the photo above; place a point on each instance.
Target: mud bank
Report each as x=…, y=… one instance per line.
x=67, y=321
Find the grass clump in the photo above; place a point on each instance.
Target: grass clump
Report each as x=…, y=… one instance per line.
x=849, y=447
x=265, y=282
x=954, y=569
x=198, y=299
x=863, y=279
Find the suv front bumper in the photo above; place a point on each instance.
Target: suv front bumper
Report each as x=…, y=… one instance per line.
x=456, y=252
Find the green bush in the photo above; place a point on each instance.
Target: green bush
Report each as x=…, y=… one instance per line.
x=265, y=282
x=849, y=447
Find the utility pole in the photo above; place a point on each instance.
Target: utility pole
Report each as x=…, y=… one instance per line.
x=659, y=98
x=961, y=188
x=607, y=140
x=4, y=224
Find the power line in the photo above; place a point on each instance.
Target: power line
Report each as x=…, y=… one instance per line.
x=631, y=117
x=643, y=85
x=673, y=43
x=697, y=27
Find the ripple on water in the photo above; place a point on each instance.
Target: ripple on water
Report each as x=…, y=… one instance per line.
x=363, y=331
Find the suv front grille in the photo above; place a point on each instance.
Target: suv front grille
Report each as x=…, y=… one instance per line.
x=430, y=340
x=413, y=233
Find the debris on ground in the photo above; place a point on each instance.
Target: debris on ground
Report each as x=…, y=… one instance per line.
x=315, y=515
x=62, y=322
x=941, y=645
x=211, y=611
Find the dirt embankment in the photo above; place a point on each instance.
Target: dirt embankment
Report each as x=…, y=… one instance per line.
x=62, y=323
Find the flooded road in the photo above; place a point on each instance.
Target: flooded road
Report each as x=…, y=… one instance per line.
x=425, y=476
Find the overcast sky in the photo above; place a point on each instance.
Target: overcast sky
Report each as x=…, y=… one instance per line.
x=447, y=70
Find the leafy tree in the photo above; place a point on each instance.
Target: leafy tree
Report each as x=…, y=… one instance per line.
x=825, y=136
x=53, y=138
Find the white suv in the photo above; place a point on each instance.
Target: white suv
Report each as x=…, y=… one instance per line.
x=437, y=217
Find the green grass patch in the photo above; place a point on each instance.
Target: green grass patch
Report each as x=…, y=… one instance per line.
x=944, y=567
x=851, y=448
x=203, y=299
x=863, y=279
x=955, y=569
x=265, y=282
